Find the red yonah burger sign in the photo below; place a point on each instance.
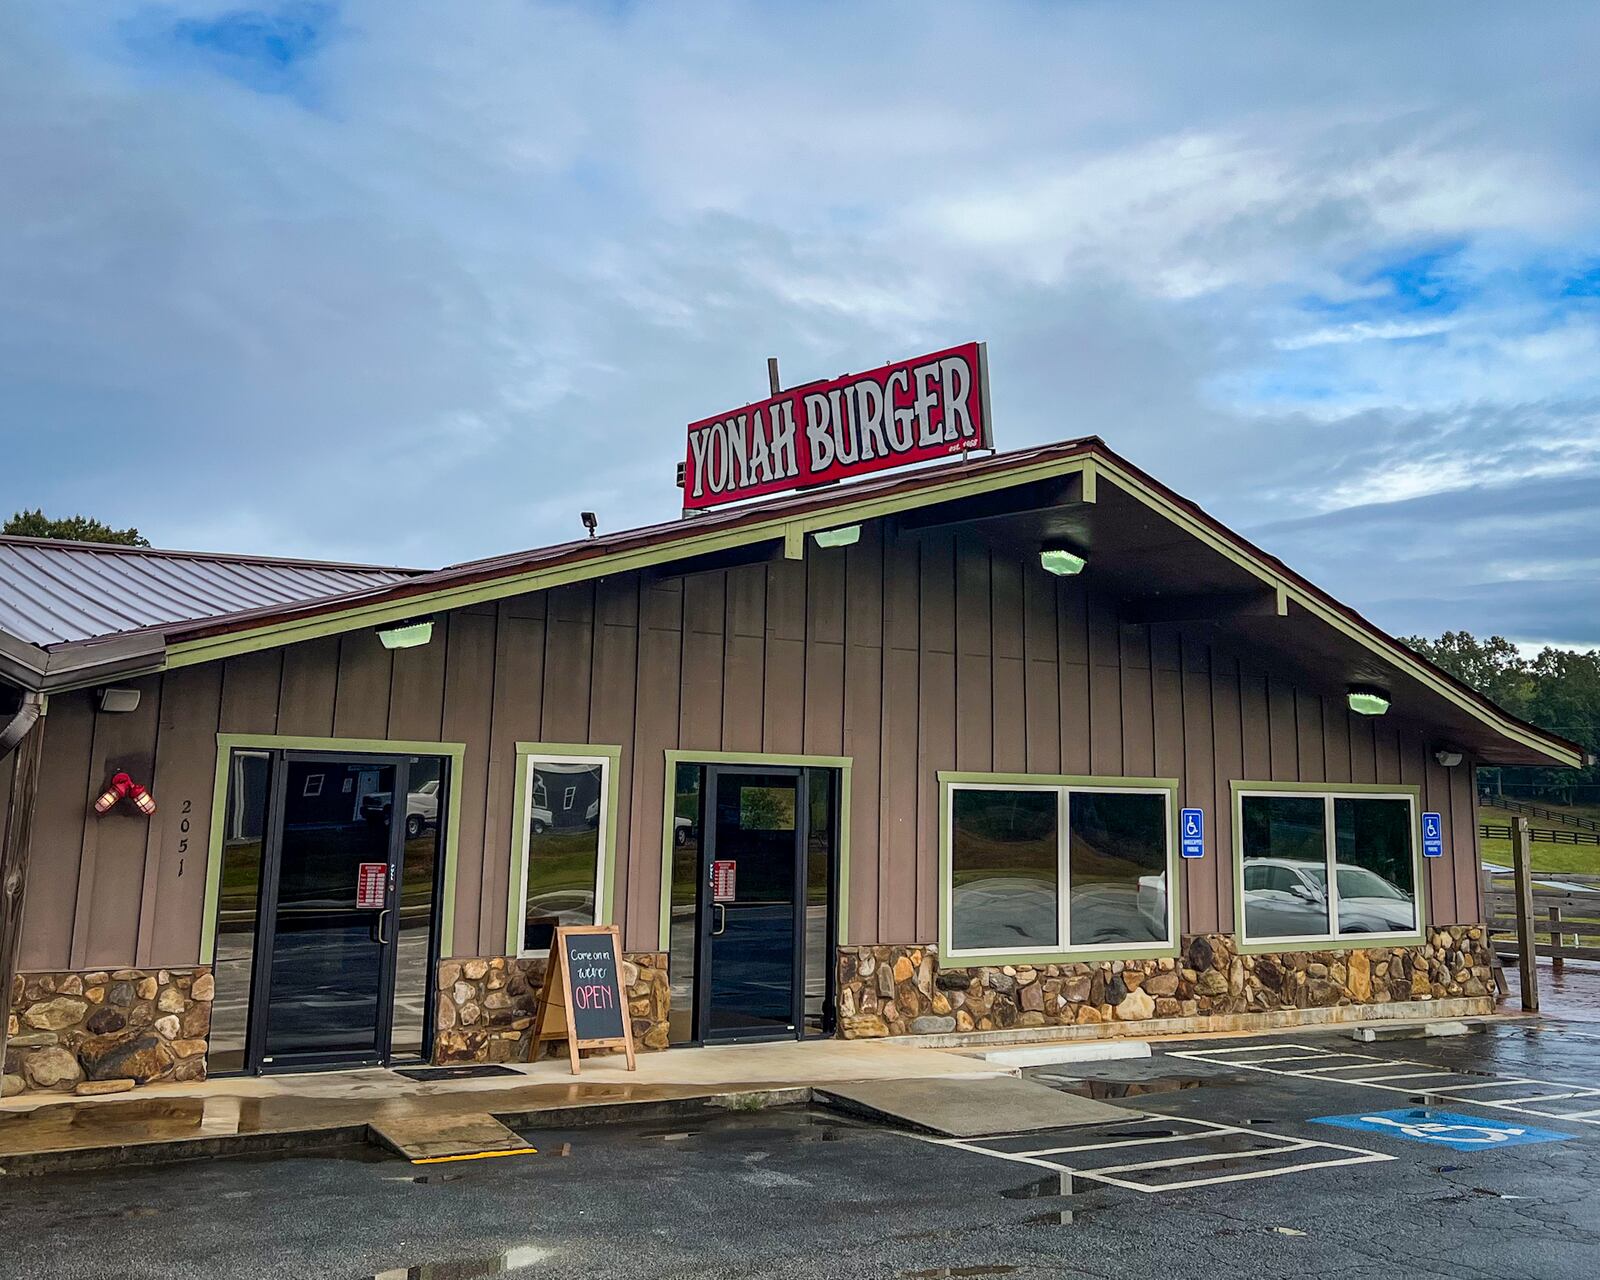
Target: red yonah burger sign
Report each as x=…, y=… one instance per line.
x=909, y=411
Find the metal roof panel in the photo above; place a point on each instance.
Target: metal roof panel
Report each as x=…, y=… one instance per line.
x=53, y=592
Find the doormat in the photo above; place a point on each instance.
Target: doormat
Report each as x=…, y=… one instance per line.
x=471, y=1071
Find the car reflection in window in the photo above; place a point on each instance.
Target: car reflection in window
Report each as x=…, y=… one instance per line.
x=1286, y=899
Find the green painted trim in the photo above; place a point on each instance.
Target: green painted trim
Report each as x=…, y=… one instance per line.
x=526, y=751
x=228, y=743
x=1318, y=791
x=1411, y=664
x=1070, y=955
x=791, y=528
x=844, y=764
x=1058, y=780
x=1330, y=788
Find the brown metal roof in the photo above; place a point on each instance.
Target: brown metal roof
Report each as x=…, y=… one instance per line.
x=54, y=592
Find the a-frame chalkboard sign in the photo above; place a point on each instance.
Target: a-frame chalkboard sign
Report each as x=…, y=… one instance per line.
x=583, y=1000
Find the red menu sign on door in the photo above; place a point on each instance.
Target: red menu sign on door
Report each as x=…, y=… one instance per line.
x=370, y=878
x=724, y=880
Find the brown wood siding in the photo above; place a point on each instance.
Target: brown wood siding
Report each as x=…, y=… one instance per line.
x=908, y=655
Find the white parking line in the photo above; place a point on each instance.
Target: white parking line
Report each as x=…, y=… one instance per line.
x=1199, y=1131
x=1446, y=1090
x=1370, y=1158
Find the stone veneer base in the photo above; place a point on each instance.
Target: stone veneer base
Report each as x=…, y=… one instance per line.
x=1282, y=1019
x=106, y=1030
x=896, y=990
x=486, y=1007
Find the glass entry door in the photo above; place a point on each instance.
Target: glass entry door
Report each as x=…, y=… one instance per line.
x=752, y=901
x=330, y=925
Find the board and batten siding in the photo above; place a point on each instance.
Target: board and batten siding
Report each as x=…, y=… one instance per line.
x=909, y=656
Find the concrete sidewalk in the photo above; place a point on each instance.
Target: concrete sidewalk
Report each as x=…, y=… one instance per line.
x=439, y=1119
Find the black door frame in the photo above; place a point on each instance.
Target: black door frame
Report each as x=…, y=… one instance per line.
x=711, y=775
x=380, y=1053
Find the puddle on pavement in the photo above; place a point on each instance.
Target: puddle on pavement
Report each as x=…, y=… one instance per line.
x=522, y=1255
x=939, y=1273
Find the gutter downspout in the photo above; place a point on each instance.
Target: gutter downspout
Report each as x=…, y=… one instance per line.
x=24, y=734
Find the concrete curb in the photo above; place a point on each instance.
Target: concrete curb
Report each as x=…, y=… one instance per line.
x=347, y=1136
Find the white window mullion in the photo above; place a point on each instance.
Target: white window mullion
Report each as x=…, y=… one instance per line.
x=1332, y=846
x=1063, y=868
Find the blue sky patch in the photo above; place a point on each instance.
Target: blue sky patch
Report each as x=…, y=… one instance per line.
x=261, y=48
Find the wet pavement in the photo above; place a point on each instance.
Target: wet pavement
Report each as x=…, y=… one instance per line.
x=418, y=1116
x=1219, y=1166
x=1570, y=993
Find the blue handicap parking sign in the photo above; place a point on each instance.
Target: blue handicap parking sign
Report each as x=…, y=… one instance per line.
x=1444, y=1129
x=1192, y=833
x=1432, y=836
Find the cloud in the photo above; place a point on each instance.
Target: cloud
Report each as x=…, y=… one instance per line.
x=341, y=279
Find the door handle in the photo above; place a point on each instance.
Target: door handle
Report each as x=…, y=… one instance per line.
x=382, y=916
x=722, y=919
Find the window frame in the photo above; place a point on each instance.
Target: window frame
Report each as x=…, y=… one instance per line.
x=1063, y=785
x=1328, y=793
x=609, y=759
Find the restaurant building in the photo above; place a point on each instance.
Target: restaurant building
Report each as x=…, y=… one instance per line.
x=1016, y=741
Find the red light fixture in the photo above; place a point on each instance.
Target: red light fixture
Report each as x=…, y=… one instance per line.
x=109, y=797
x=143, y=801
x=124, y=787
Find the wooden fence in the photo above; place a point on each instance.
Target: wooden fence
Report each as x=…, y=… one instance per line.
x=1502, y=831
x=1565, y=922
x=1565, y=816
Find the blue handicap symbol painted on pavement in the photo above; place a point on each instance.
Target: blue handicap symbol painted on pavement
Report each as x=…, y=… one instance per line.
x=1444, y=1129
x=1192, y=833
x=1432, y=836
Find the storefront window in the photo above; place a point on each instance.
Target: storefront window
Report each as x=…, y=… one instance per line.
x=1118, y=868
x=1326, y=866
x=1004, y=869
x=562, y=846
x=1056, y=867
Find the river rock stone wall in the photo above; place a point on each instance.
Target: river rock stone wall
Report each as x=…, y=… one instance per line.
x=903, y=990
x=486, y=1007
x=106, y=1030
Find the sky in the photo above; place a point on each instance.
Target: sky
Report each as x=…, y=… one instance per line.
x=410, y=284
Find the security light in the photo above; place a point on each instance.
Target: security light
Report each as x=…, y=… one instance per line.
x=1365, y=700
x=847, y=536
x=1061, y=562
x=113, y=701
x=589, y=521
x=1449, y=757
x=406, y=635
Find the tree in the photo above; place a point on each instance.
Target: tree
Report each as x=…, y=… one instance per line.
x=1494, y=667
x=1559, y=691
x=35, y=524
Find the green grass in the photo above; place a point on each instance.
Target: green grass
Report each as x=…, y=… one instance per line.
x=1575, y=859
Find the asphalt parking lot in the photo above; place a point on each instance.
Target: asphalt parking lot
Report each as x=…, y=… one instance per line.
x=1296, y=1154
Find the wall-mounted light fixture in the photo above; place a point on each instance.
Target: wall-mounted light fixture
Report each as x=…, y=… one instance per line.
x=1449, y=757
x=119, y=700
x=406, y=635
x=845, y=536
x=123, y=787
x=1366, y=700
x=1064, y=562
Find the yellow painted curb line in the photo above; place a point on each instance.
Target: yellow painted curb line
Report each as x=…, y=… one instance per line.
x=479, y=1155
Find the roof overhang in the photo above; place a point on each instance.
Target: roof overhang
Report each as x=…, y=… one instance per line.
x=1168, y=562
x=77, y=666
